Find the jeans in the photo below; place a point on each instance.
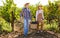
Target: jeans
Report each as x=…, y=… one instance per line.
x=26, y=26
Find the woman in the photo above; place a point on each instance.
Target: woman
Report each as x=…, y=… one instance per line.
x=40, y=17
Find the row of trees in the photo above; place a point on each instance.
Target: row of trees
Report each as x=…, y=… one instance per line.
x=9, y=12
x=53, y=12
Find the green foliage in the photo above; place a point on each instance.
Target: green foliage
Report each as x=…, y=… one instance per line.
x=5, y=26
x=17, y=13
x=7, y=8
x=33, y=10
x=5, y=14
x=51, y=12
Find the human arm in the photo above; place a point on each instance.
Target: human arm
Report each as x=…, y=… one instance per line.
x=36, y=15
x=42, y=15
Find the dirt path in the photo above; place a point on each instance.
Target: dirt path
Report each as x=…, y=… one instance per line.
x=18, y=33
x=31, y=35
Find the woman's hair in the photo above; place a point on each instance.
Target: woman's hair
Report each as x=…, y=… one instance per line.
x=26, y=4
x=39, y=6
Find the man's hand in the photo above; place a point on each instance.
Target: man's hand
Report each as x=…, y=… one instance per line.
x=21, y=19
x=30, y=21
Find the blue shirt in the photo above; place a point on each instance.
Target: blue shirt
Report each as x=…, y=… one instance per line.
x=26, y=13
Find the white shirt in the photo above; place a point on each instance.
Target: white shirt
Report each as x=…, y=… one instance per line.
x=39, y=11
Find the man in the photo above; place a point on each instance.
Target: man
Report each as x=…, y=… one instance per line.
x=27, y=17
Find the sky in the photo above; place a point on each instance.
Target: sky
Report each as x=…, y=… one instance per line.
x=20, y=3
